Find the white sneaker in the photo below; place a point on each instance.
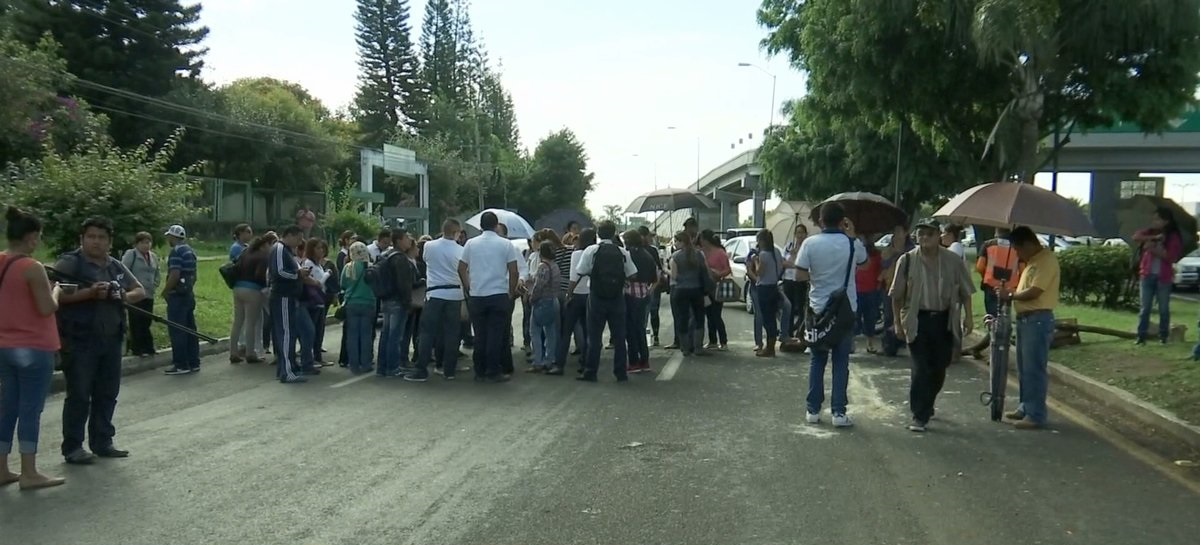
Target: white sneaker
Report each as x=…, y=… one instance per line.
x=813, y=418
x=842, y=421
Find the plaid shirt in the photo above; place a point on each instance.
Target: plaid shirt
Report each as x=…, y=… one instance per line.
x=638, y=290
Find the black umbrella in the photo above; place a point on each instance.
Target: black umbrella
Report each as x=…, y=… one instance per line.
x=1134, y=213
x=669, y=200
x=869, y=212
x=558, y=220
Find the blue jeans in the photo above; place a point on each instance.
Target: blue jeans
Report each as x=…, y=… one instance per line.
x=185, y=347
x=1152, y=291
x=544, y=331
x=390, y=335
x=1035, y=333
x=868, y=313
x=784, y=307
x=24, y=383
x=841, y=373
x=360, y=322
x=638, y=350
x=769, y=306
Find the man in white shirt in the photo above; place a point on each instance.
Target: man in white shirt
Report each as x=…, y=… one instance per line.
x=608, y=267
x=439, y=331
x=488, y=271
x=506, y=356
x=382, y=242
x=829, y=258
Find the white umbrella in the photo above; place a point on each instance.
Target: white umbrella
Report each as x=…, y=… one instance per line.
x=517, y=226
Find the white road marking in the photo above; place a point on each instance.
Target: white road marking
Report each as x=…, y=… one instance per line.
x=353, y=380
x=672, y=366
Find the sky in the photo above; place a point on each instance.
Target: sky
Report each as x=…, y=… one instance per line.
x=618, y=73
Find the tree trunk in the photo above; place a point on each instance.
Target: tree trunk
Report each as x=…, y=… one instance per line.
x=1029, y=112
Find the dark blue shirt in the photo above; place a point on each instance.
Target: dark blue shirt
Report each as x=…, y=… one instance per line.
x=183, y=259
x=235, y=251
x=283, y=273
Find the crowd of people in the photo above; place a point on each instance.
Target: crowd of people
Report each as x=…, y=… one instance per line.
x=411, y=307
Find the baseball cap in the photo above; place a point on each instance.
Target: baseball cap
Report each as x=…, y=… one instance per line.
x=928, y=222
x=176, y=231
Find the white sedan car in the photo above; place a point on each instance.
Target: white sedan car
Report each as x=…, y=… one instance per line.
x=1187, y=271
x=738, y=248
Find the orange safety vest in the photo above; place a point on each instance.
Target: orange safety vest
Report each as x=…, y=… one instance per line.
x=1004, y=257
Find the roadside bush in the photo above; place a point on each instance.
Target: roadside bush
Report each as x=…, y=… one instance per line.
x=1096, y=275
x=133, y=188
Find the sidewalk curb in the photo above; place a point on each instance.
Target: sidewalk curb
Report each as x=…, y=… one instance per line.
x=132, y=365
x=1113, y=398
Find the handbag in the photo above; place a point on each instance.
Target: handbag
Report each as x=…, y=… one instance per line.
x=417, y=297
x=229, y=273
x=824, y=330
x=727, y=291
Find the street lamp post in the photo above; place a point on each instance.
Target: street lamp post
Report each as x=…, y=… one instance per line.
x=772, y=118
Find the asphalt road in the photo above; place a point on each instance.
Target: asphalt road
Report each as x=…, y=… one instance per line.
x=718, y=454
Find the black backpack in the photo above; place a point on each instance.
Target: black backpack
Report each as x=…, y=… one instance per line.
x=381, y=276
x=608, y=272
x=647, y=268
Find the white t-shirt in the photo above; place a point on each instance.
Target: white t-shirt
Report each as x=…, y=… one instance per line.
x=442, y=258
x=957, y=247
x=583, y=283
x=374, y=251
x=825, y=257
x=791, y=252
x=488, y=257
x=584, y=267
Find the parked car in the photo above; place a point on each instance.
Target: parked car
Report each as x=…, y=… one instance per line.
x=740, y=232
x=1061, y=243
x=1115, y=242
x=738, y=248
x=1187, y=271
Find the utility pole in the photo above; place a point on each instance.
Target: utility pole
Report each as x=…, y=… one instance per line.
x=475, y=129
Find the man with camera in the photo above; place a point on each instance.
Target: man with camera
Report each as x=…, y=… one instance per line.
x=92, y=324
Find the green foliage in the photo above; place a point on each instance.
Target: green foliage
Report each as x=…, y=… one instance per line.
x=558, y=177
x=296, y=152
x=29, y=79
x=1007, y=71
x=130, y=187
x=1096, y=275
x=389, y=97
x=139, y=46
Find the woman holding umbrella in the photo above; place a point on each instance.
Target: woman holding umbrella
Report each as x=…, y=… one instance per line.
x=1159, y=246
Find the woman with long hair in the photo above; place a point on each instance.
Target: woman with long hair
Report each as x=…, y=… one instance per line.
x=28, y=343
x=544, y=307
x=318, y=297
x=768, y=266
x=1160, y=246
x=360, y=309
x=688, y=272
x=718, y=262
x=143, y=263
x=245, y=336
x=577, y=306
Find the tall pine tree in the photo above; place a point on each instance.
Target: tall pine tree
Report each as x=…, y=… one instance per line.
x=140, y=46
x=389, y=97
x=439, y=51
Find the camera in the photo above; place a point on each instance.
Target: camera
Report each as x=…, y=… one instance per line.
x=114, y=291
x=1002, y=274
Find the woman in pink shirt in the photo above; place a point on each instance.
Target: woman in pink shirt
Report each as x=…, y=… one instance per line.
x=1160, y=247
x=28, y=342
x=718, y=262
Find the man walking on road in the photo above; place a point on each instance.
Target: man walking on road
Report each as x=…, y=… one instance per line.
x=1034, y=303
x=488, y=272
x=930, y=287
x=828, y=258
x=439, y=331
x=608, y=266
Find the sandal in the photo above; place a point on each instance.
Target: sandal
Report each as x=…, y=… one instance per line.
x=9, y=479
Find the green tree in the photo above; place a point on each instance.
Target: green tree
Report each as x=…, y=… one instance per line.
x=558, y=177
x=823, y=150
x=275, y=134
x=131, y=187
x=1007, y=71
x=29, y=80
x=139, y=47
x=612, y=212
x=389, y=96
